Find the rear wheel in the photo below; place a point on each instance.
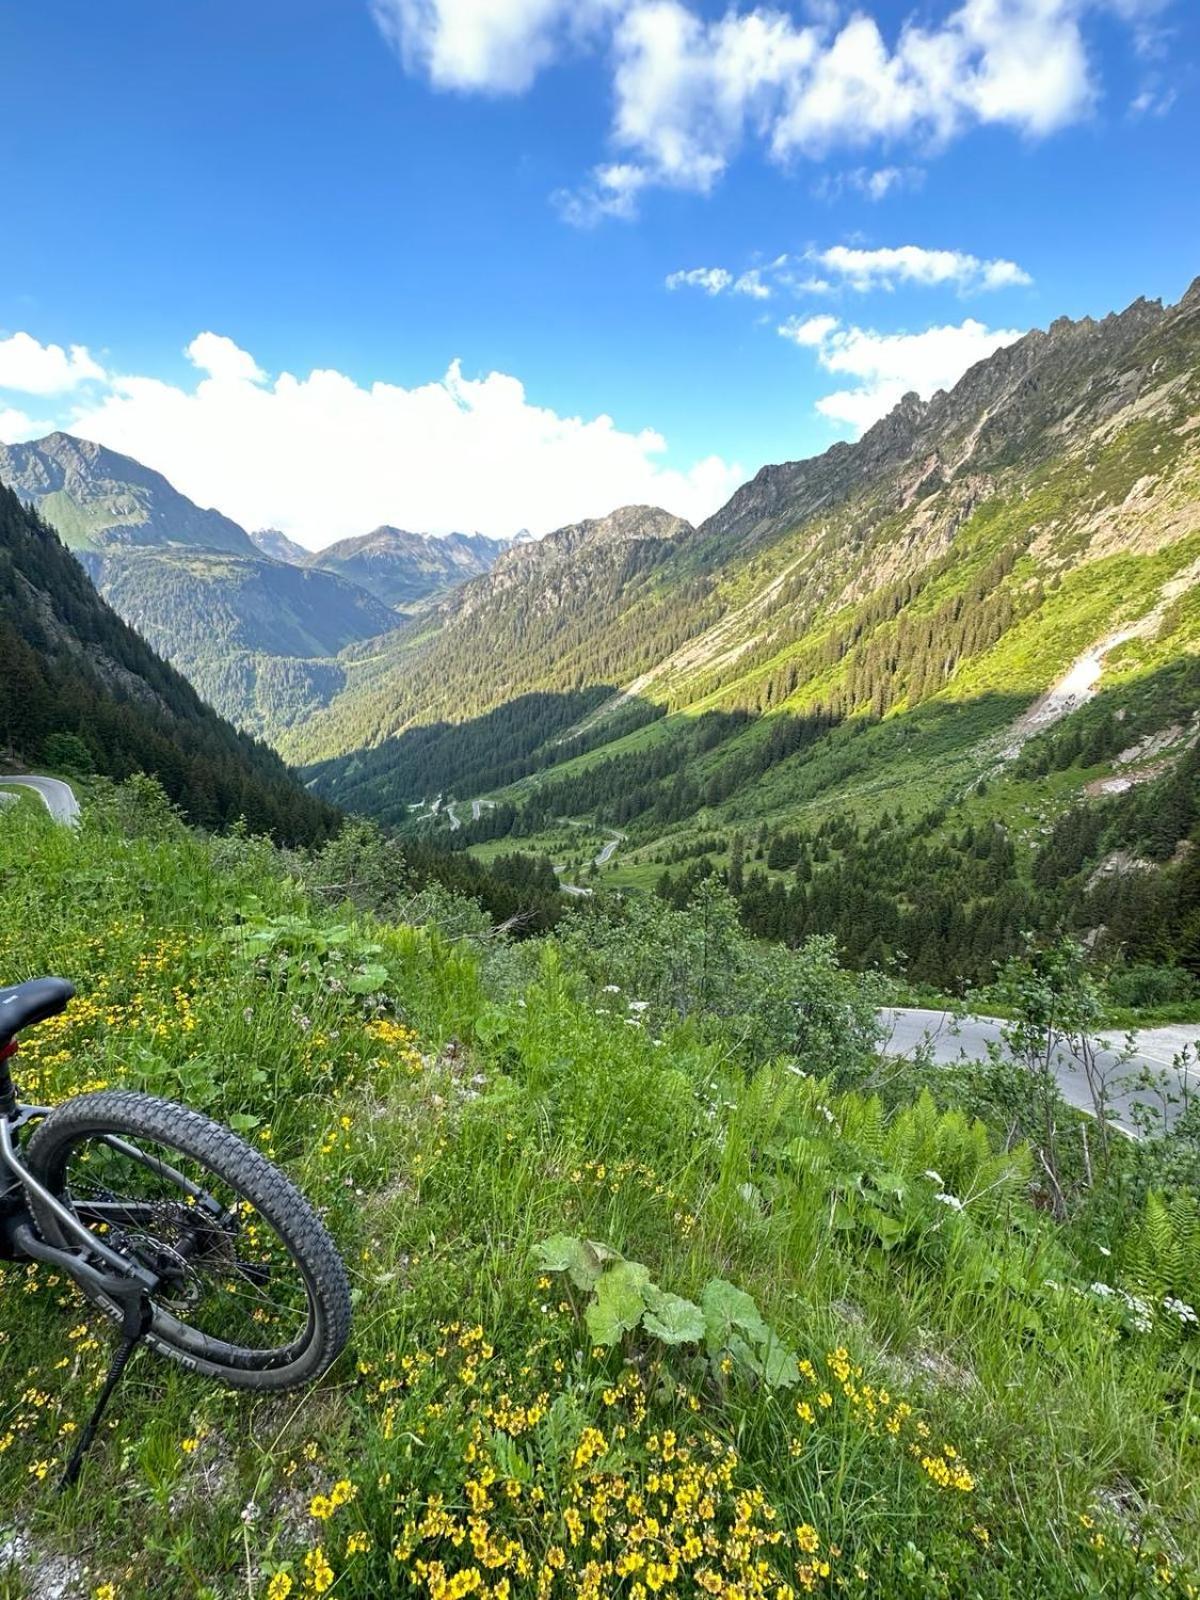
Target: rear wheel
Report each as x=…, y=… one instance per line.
x=252, y=1291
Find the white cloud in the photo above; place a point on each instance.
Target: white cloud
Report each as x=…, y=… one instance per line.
x=33, y=368
x=873, y=183
x=711, y=279
x=221, y=359
x=808, y=330
x=717, y=280
x=910, y=263
x=15, y=425
x=689, y=91
x=859, y=270
x=886, y=366
x=322, y=456
x=1152, y=102
x=498, y=46
x=751, y=283
x=611, y=191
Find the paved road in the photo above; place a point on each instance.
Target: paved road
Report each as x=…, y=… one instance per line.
x=452, y=816
x=953, y=1039
x=609, y=848
x=59, y=797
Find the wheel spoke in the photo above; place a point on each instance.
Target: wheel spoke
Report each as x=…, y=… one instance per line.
x=213, y=1252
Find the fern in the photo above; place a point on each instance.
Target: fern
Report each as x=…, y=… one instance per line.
x=1162, y=1255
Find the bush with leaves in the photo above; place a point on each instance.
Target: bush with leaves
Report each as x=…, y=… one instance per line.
x=698, y=965
x=625, y=1305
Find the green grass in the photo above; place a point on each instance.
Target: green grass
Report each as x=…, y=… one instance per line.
x=497, y=1099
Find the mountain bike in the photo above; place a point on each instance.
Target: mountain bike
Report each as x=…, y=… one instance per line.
x=178, y=1230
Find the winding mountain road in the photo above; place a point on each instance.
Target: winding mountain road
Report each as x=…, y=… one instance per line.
x=609, y=848
x=59, y=797
x=951, y=1039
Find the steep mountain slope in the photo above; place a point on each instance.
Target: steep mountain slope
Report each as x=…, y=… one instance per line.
x=77, y=683
x=407, y=570
x=849, y=632
x=256, y=636
x=97, y=499
x=250, y=634
x=532, y=623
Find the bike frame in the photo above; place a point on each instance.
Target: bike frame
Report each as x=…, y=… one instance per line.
x=125, y=1285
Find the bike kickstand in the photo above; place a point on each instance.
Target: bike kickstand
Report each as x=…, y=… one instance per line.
x=135, y=1324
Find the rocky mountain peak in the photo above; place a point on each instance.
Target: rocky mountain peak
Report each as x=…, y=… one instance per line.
x=274, y=544
x=97, y=498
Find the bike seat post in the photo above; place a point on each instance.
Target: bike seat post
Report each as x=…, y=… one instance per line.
x=8, y=1092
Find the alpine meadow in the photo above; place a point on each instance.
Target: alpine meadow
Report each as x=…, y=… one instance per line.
x=600, y=801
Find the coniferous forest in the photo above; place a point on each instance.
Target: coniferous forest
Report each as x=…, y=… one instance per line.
x=77, y=681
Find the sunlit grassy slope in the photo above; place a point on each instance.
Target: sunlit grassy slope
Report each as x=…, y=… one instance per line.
x=931, y=1406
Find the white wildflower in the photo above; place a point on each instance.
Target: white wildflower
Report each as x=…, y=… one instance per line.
x=935, y=1177
x=950, y=1200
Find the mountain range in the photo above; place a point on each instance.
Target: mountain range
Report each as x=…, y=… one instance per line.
x=96, y=499
x=927, y=692
x=969, y=544
x=407, y=570
x=996, y=589
x=255, y=622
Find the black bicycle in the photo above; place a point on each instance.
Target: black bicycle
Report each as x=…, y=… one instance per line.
x=174, y=1226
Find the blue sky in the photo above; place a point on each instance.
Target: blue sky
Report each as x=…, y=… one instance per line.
x=865, y=200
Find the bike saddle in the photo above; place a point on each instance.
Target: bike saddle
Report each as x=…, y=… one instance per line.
x=26, y=1003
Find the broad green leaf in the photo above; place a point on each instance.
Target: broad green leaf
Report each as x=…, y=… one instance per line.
x=368, y=979
x=727, y=1307
x=582, y=1259
x=779, y=1367
x=243, y=1121
x=671, y=1318
x=556, y=1253
x=891, y=1183
x=619, y=1302
x=886, y=1229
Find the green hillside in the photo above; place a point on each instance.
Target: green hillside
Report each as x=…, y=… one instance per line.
x=257, y=638
x=837, y=1334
